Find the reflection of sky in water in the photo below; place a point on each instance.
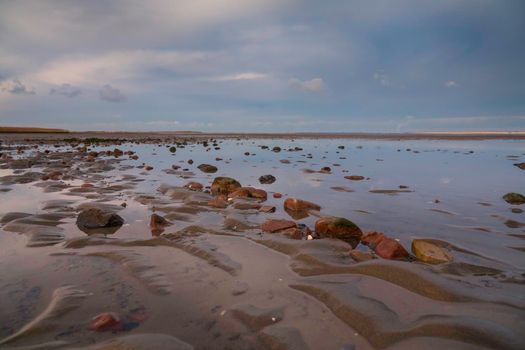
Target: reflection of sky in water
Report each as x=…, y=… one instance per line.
x=443, y=170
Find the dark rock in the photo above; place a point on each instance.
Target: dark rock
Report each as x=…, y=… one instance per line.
x=274, y=225
x=267, y=179
x=520, y=165
x=514, y=198
x=95, y=220
x=341, y=228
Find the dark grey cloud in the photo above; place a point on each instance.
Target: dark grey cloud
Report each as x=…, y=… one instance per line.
x=66, y=90
x=111, y=94
x=16, y=87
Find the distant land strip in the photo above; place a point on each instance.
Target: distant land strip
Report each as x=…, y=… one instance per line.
x=30, y=130
x=14, y=133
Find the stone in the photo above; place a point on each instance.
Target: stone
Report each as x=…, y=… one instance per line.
x=219, y=202
x=105, y=321
x=359, y=256
x=267, y=209
x=429, y=252
x=267, y=179
x=385, y=247
x=195, y=186
x=249, y=192
x=224, y=185
x=520, y=165
x=173, y=149
x=157, y=224
x=207, y=168
x=514, y=198
x=277, y=195
x=95, y=220
x=355, y=177
x=295, y=204
x=325, y=170
x=340, y=228
x=276, y=225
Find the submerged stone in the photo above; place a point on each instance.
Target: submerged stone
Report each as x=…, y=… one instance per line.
x=95, y=220
x=207, y=168
x=429, y=252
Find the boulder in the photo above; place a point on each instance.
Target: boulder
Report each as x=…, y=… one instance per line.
x=224, y=185
x=429, y=252
x=340, y=228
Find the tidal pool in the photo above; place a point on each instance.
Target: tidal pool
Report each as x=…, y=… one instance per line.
x=213, y=279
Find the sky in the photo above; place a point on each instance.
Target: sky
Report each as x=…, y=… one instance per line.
x=263, y=65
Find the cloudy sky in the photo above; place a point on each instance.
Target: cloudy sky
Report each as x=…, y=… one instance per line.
x=263, y=65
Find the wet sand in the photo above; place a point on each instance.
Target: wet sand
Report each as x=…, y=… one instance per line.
x=215, y=270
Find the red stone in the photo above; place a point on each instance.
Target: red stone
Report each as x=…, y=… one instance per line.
x=104, y=322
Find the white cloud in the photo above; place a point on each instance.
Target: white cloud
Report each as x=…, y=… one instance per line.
x=111, y=94
x=451, y=84
x=313, y=85
x=241, y=76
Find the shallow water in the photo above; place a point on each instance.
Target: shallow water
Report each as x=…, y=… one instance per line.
x=222, y=284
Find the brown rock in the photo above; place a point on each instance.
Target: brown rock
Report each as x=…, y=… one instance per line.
x=360, y=256
x=277, y=195
x=195, y=186
x=340, y=228
x=385, y=247
x=157, y=224
x=355, y=177
x=249, y=192
x=224, y=185
x=295, y=204
x=520, y=165
x=277, y=225
x=218, y=202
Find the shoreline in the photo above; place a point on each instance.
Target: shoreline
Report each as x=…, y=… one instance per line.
x=20, y=136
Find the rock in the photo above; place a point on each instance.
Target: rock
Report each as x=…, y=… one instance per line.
x=429, y=252
x=173, y=149
x=195, y=186
x=274, y=225
x=219, y=202
x=277, y=195
x=295, y=204
x=340, y=228
x=383, y=246
x=341, y=147
x=325, y=170
x=148, y=168
x=207, y=168
x=157, y=224
x=95, y=220
x=255, y=318
x=360, y=256
x=276, y=149
x=514, y=198
x=355, y=177
x=520, y=165
x=516, y=210
x=267, y=179
x=105, y=321
x=190, y=161
x=224, y=185
x=267, y=209
x=249, y=192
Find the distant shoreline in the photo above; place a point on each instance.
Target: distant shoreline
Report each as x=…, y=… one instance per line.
x=57, y=134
